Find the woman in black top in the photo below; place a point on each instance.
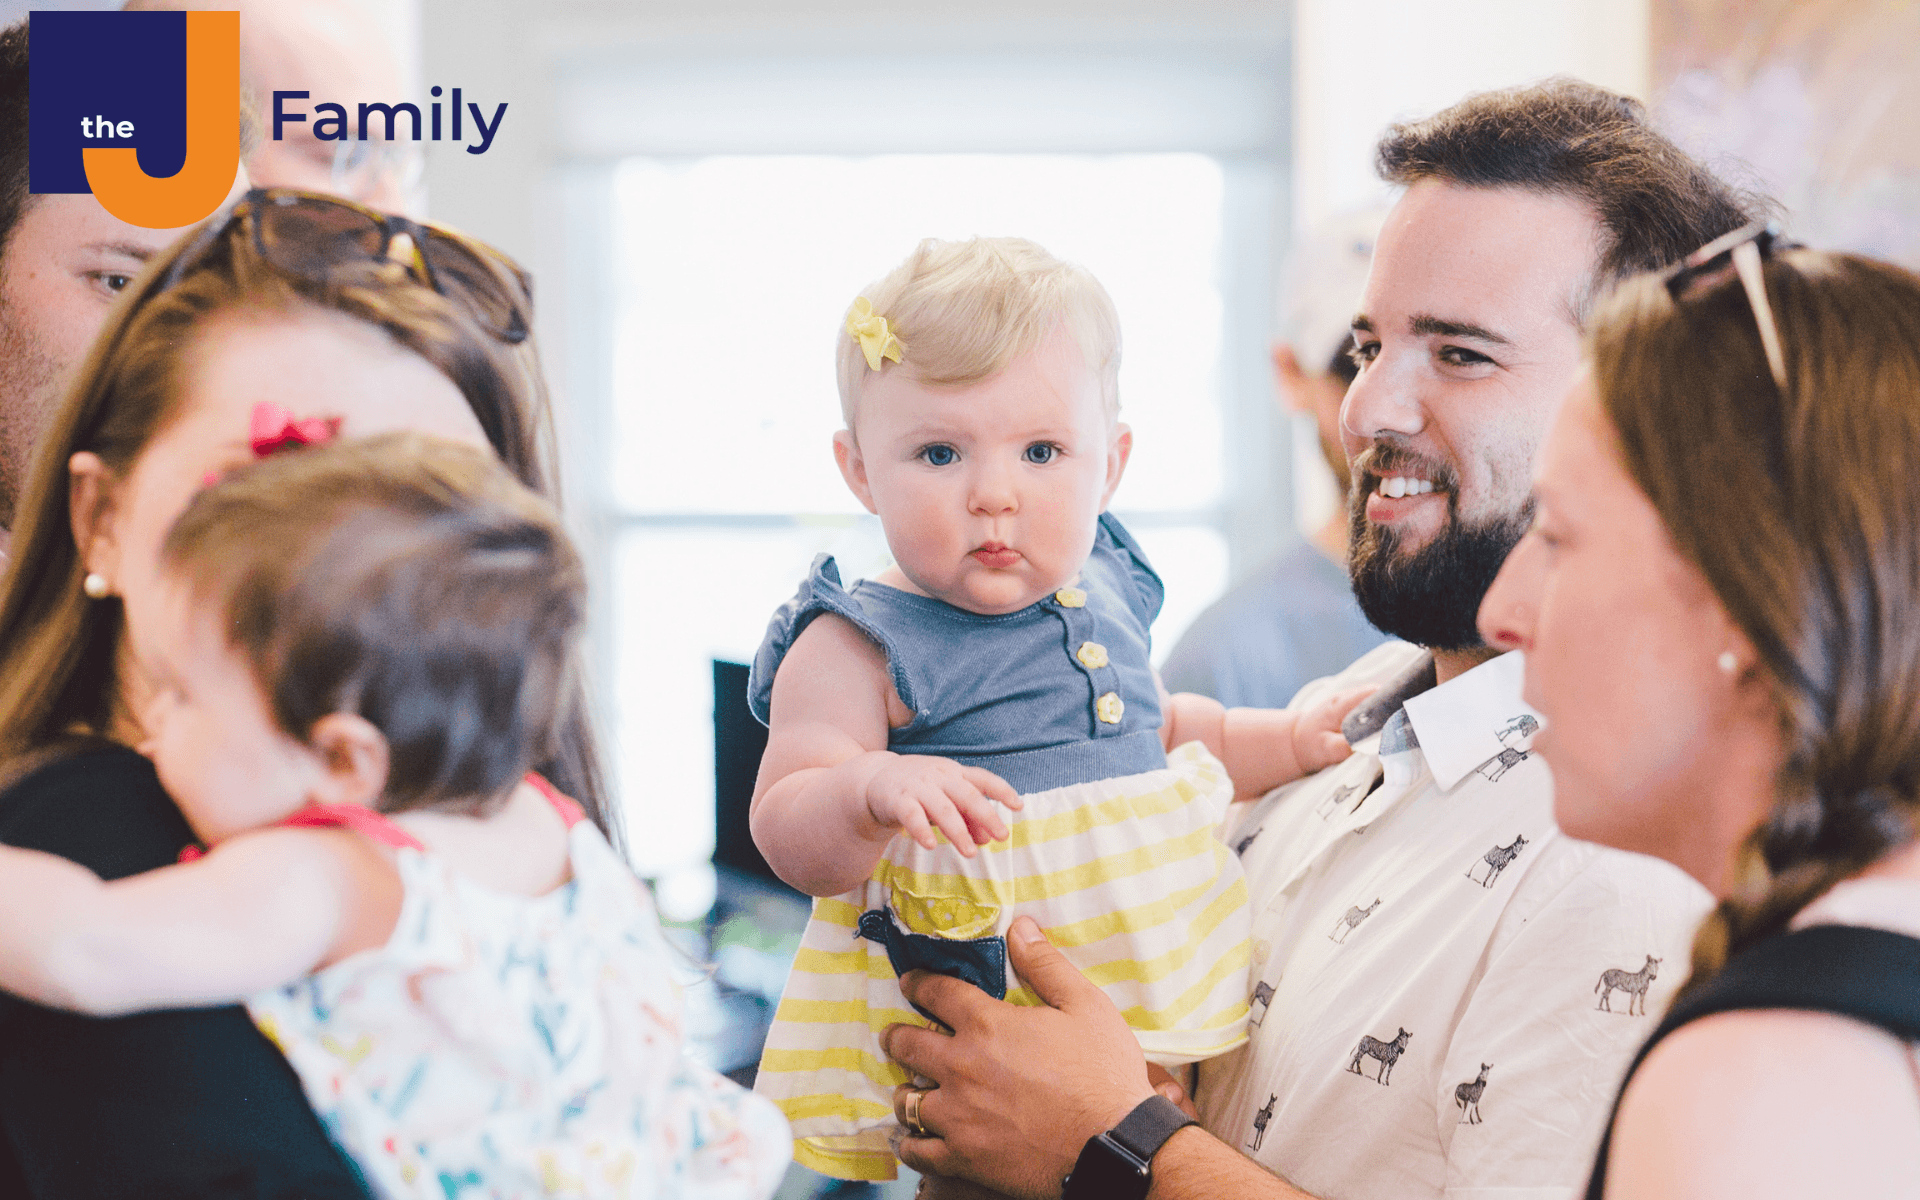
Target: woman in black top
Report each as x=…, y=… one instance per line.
x=287, y=315
x=1717, y=603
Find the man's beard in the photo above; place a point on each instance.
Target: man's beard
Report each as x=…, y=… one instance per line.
x=1430, y=596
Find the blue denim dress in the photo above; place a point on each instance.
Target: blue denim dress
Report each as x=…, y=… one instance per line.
x=1060, y=692
x=1114, y=853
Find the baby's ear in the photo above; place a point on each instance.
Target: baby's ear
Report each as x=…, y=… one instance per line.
x=853, y=468
x=1118, y=451
x=353, y=758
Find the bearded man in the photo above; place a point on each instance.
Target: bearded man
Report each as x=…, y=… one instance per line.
x=1426, y=942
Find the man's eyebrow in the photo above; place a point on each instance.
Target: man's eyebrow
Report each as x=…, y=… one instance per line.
x=1362, y=323
x=133, y=250
x=1428, y=325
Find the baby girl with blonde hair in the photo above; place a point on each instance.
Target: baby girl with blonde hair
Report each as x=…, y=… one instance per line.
x=976, y=733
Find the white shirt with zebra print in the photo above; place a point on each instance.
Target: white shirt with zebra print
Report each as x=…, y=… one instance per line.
x=1446, y=989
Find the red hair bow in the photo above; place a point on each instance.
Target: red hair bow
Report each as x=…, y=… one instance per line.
x=273, y=428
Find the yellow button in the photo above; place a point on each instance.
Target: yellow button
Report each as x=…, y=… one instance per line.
x=1110, y=708
x=1070, y=598
x=1092, y=655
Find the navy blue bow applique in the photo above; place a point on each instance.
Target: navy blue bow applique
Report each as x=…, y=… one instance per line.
x=981, y=962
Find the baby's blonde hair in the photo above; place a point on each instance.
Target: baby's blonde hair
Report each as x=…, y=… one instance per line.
x=964, y=310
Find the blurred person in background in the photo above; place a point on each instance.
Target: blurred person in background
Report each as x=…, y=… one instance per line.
x=63, y=261
x=1296, y=620
x=334, y=50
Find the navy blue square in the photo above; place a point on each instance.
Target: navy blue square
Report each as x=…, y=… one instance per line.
x=123, y=66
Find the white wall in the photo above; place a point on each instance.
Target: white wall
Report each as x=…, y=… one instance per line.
x=1361, y=64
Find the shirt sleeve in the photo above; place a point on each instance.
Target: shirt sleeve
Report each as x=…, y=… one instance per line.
x=187, y=1103
x=1537, y=1057
x=820, y=592
x=1147, y=593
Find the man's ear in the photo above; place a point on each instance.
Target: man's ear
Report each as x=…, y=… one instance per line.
x=1118, y=452
x=91, y=485
x=853, y=468
x=353, y=759
x=1290, y=379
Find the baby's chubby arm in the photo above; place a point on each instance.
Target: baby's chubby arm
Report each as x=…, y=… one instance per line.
x=830, y=794
x=259, y=910
x=1262, y=748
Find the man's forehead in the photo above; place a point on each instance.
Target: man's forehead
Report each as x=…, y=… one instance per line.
x=57, y=225
x=1472, y=261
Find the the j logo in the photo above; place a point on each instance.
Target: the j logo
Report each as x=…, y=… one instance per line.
x=142, y=109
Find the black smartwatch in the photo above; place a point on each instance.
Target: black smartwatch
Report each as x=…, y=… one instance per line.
x=1117, y=1165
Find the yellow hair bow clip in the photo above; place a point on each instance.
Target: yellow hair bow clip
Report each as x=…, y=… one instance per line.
x=870, y=330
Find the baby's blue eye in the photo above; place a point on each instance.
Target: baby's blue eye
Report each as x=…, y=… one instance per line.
x=939, y=456
x=1041, y=453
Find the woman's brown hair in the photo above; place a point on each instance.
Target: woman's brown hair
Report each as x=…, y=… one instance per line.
x=1801, y=506
x=57, y=647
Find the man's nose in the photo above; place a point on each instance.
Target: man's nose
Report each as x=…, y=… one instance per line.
x=1512, y=605
x=1383, y=399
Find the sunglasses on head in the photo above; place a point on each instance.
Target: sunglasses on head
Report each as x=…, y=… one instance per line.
x=1741, y=252
x=312, y=235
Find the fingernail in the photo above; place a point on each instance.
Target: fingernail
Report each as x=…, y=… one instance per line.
x=1170, y=1090
x=1025, y=931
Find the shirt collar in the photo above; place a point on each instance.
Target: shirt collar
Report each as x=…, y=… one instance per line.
x=1472, y=717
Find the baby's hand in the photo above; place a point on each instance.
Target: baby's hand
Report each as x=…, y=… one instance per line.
x=917, y=792
x=1317, y=740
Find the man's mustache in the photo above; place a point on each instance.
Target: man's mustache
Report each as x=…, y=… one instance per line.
x=1383, y=460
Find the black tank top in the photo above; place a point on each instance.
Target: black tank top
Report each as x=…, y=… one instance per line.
x=1869, y=975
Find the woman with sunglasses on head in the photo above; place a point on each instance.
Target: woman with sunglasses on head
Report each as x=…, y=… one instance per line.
x=284, y=319
x=1717, y=604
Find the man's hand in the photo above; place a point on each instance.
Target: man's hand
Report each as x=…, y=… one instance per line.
x=915, y=793
x=1020, y=1090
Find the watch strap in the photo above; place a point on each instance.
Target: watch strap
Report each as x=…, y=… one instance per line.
x=1117, y=1164
x=1147, y=1128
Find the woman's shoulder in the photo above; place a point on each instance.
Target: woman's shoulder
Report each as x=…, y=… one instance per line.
x=97, y=803
x=1770, y=1103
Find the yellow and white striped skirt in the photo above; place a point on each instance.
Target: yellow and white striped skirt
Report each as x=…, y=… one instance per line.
x=1127, y=877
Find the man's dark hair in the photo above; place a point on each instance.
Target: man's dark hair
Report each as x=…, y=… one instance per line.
x=13, y=128
x=1655, y=205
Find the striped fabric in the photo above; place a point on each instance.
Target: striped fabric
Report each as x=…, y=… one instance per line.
x=1127, y=876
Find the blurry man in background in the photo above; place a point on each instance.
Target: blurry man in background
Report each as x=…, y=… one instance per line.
x=334, y=50
x=63, y=259
x=1296, y=620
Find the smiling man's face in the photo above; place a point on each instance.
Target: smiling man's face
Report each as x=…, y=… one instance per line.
x=1468, y=335
x=66, y=260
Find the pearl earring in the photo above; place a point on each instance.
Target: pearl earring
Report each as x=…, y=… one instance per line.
x=95, y=585
x=1729, y=662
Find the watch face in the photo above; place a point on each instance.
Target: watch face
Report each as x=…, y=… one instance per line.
x=1106, y=1172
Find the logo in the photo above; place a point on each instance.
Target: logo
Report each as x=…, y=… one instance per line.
x=140, y=108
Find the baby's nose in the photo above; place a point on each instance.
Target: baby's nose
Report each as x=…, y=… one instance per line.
x=993, y=492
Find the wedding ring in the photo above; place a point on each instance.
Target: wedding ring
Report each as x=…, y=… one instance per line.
x=912, y=1106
